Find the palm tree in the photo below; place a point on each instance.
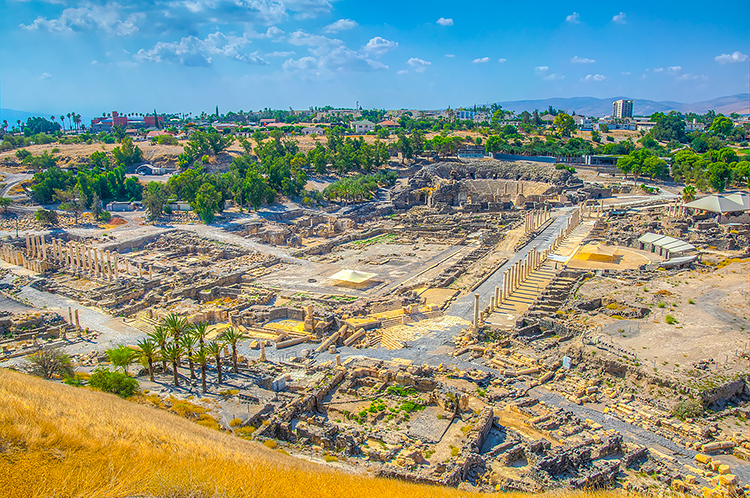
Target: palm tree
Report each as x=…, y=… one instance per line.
x=232, y=336
x=149, y=351
x=188, y=342
x=77, y=120
x=688, y=194
x=201, y=358
x=176, y=325
x=161, y=337
x=214, y=348
x=200, y=330
x=62, y=120
x=173, y=353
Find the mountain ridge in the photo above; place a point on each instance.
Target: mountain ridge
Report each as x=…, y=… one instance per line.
x=592, y=106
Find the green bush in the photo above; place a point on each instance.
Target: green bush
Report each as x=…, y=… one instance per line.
x=113, y=382
x=105, y=216
x=670, y=320
x=689, y=408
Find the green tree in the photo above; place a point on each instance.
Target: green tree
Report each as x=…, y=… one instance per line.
x=207, y=203
x=721, y=125
x=160, y=336
x=156, y=197
x=121, y=357
x=688, y=193
x=5, y=202
x=565, y=124
x=668, y=127
x=719, y=176
x=127, y=153
x=71, y=200
x=188, y=343
x=232, y=336
x=214, y=348
x=46, y=217
x=200, y=330
x=201, y=358
x=173, y=353
x=148, y=353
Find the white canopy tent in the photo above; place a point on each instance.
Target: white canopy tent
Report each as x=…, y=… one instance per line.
x=352, y=277
x=716, y=203
x=742, y=199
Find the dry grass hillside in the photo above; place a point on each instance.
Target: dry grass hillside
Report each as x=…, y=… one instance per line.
x=57, y=440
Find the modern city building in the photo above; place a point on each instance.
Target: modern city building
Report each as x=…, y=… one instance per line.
x=622, y=109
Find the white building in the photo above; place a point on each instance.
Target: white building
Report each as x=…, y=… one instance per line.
x=364, y=126
x=622, y=109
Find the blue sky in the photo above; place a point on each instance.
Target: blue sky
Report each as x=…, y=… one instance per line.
x=191, y=55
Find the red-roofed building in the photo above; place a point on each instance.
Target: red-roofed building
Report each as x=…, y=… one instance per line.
x=388, y=123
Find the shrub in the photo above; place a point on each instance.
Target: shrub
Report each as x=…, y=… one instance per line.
x=690, y=301
x=270, y=444
x=235, y=422
x=670, y=320
x=689, y=408
x=113, y=382
x=46, y=217
x=661, y=304
x=330, y=458
x=105, y=216
x=50, y=362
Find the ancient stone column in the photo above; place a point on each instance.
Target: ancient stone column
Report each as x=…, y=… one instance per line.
x=70, y=315
x=263, y=351
x=28, y=244
x=476, y=311
x=150, y=271
x=497, y=296
x=492, y=304
x=78, y=323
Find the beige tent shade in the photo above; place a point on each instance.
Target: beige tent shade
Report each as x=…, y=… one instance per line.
x=597, y=253
x=352, y=276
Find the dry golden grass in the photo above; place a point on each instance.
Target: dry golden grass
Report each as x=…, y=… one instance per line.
x=61, y=441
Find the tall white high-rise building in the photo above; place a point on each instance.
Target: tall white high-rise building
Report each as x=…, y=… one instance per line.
x=622, y=109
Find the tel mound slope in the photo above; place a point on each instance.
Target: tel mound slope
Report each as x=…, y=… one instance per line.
x=57, y=440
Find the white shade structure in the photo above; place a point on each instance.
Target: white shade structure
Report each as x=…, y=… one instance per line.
x=352, y=277
x=716, y=204
x=741, y=199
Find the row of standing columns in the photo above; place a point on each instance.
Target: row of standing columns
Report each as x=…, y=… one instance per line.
x=514, y=276
x=535, y=219
x=74, y=255
x=590, y=208
x=676, y=210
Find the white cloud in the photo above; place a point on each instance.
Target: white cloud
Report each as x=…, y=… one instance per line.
x=300, y=37
x=594, y=77
x=105, y=18
x=303, y=63
x=419, y=65
x=573, y=18
x=271, y=32
x=450, y=56
x=192, y=51
x=581, y=60
x=45, y=76
x=658, y=69
x=675, y=69
x=379, y=46
x=340, y=25
x=691, y=77
x=501, y=60
x=243, y=11
x=554, y=77
x=445, y=21
x=481, y=60
x=280, y=53
x=625, y=73
x=732, y=58
x=403, y=71
x=542, y=69
x=330, y=56
x=620, y=18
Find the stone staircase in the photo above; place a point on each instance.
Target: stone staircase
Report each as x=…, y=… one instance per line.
x=555, y=294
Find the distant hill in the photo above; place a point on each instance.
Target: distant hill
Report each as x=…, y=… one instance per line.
x=12, y=116
x=590, y=106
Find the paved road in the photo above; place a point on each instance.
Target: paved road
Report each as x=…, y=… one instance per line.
x=464, y=306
